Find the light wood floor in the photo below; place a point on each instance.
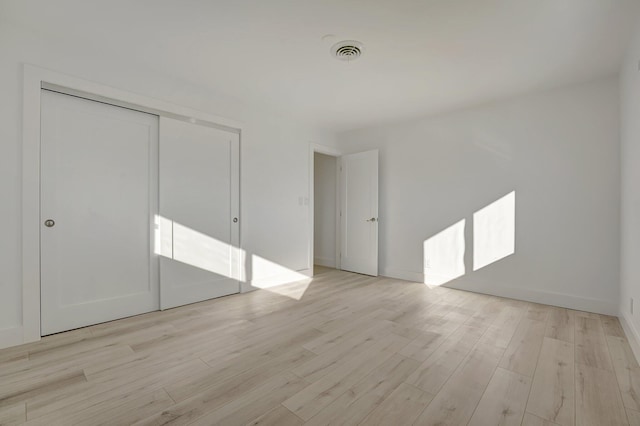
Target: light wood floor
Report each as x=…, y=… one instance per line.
x=353, y=350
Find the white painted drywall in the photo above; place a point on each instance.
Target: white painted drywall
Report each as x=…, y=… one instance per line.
x=557, y=150
x=274, y=158
x=324, y=241
x=630, y=183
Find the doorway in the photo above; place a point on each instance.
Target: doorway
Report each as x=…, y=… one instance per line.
x=344, y=210
x=326, y=208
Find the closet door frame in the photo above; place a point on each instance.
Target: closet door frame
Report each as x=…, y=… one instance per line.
x=37, y=78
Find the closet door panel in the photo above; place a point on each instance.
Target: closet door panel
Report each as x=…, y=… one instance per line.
x=98, y=201
x=198, y=238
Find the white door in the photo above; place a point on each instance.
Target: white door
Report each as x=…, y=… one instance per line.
x=359, y=212
x=98, y=200
x=199, y=206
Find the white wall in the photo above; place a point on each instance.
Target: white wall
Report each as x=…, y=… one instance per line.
x=630, y=177
x=274, y=158
x=324, y=240
x=557, y=150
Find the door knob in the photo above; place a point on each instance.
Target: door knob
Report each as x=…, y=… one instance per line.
x=373, y=219
x=49, y=223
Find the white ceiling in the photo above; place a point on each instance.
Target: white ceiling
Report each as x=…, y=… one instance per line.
x=422, y=56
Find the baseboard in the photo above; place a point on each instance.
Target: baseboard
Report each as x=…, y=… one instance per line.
x=536, y=296
x=401, y=274
x=632, y=334
x=325, y=261
x=11, y=337
x=275, y=280
x=544, y=297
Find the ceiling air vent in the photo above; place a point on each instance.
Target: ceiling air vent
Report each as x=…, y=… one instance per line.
x=348, y=50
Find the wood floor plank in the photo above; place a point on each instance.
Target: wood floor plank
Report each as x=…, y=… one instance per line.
x=504, y=400
x=57, y=404
x=33, y=369
x=431, y=375
x=598, y=399
x=456, y=402
x=9, y=357
x=611, y=326
x=328, y=341
x=627, y=371
x=401, y=407
x=279, y=416
x=214, y=379
x=633, y=416
x=323, y=392
x=128, y=337
x=591, y=343
x=320, y=365
x=502, y=329
x=255, y=403
x=15, y=414
x=211, y=399
x=585, y=314
x=538, y=312
x=11, y=394
x=594, y=355
x=423, y=346
x=522, y=353
x=356, y=403
x=588, y=330
x=298, y=336
x=59, y=340
x=552, y=394
x=560, y=325
x=531, y=420
x=117, y=411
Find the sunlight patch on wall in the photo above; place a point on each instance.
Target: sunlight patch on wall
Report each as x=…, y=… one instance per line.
x=183, y=244
x=444, y=255
x=494, y=231
x=278, y=279
x=175, y=241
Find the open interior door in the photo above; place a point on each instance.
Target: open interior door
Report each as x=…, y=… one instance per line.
x=359, y=212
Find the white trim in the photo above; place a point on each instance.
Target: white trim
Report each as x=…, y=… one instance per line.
x=544, y=297
x=536, y=296
x=402, y=274
x=333, y=152
x=632, y=334
x=35, y=78
x=96, y=91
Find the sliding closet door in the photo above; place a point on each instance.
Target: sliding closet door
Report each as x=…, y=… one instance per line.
x=98, y=200
x=198, y=224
